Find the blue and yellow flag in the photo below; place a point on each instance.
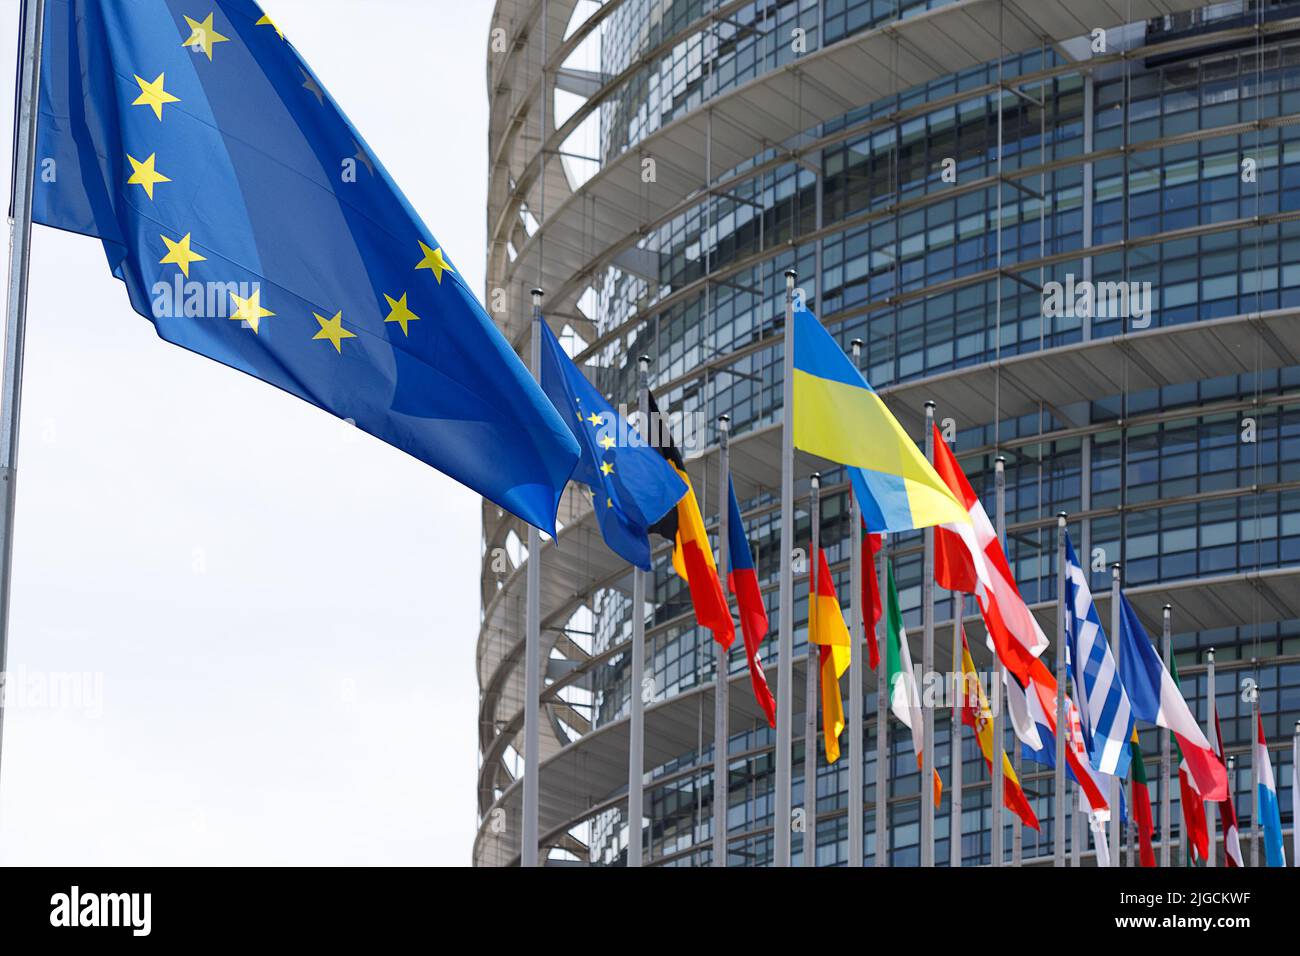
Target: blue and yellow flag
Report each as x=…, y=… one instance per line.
x=838, y=416
x=632, y=485
x=251, y=224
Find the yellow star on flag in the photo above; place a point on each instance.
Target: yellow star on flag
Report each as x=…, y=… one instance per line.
x=268, y=22
x=595, y=419
x=606, y=467
x=333, y=331
x=203, y=36
x=180, y=253
x=249, y=310
x=606, y=442
x=400, y=312
x=153, y=95
x=145, y=174
x=433, y=259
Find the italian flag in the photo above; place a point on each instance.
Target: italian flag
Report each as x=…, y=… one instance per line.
x=904, y=699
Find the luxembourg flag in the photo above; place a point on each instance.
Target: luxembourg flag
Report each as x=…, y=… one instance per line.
x=1268, y=807
x=1156, y=699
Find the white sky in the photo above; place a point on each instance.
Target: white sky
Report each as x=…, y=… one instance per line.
x=283, y=610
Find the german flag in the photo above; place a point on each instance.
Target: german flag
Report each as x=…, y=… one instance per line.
x=692, y=553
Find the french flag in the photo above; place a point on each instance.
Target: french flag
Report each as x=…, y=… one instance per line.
x=742, y=581
x=1269, y=813
x=1156, y=699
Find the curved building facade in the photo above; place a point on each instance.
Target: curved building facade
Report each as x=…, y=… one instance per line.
x=1074, y=226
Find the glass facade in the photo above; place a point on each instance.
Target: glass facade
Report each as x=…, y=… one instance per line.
x=1176, y=170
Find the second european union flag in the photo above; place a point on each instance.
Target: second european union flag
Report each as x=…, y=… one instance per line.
x=251, y=224
x=632, y=485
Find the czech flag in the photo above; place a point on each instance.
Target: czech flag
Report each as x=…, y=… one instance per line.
x=742, y=581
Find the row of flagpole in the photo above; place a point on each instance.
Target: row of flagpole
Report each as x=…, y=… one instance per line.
x=784, y=818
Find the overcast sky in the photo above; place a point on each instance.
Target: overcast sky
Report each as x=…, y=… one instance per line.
x=279, y=612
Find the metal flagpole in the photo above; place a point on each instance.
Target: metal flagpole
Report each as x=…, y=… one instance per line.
x=1116, y=853
x=1295, y=795
x=857, y=696
x=528, y=854
x=1166, y=824
x=1079, y=836
x=20, y=248
x=1211, y=809
x=785, y=638
x=1254, y=767
x=997, y=792
x=636, y=720
x=810, y=683
x=721, y=736
x=1232, y=787
x=1059, y=794
x=882, y=720
x=927, y=668
x=1000, y=479
x=959, y=690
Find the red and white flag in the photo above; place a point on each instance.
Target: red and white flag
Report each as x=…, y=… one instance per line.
x=969, y=558
x=1231, y=837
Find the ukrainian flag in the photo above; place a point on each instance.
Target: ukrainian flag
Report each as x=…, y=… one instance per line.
x=838, y=416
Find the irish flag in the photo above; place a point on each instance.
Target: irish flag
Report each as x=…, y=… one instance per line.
x=904, y=698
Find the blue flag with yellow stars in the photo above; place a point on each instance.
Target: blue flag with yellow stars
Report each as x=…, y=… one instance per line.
x=251, y=224
x=632, y=485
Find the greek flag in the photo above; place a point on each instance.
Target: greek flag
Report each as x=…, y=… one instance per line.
x=1104, y=713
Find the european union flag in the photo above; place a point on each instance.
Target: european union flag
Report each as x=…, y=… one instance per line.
x=251, y=223
x=632, y=485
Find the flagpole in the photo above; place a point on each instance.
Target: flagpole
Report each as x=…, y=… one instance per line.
x=1295, y=795
x=1017, y=834
x=810, y=683
x=785, y=639
x=1079, y=839
x=882, y=721
x=1116, y=853
x=959, y=690
x=927, y=668
x=528, y=854
x=857, y=697
x=636, y=719
x=1166, y=824
x=20, y=248
x=997, y=795
x=1211, y=808
x=1257, y=810
x=1232, y=787
x=721, y=736
x=1059, y=794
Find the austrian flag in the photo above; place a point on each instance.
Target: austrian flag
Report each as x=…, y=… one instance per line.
x=969, y=558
